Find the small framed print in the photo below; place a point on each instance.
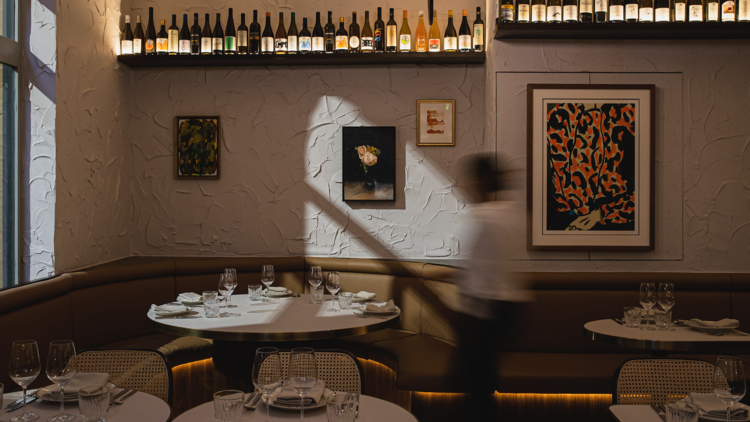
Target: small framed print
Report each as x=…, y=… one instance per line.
x=436, y=123
x=196, y=147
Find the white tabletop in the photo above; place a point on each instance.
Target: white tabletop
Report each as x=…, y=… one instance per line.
x=370, y=410
x=291, y=318
x=633, y=413
x=141, y=407
x=681, y=339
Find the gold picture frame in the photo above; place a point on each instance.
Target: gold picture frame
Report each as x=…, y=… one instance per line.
x=436, y=127
x=201, y=158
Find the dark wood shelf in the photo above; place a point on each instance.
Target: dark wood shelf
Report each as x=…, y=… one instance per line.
x=624, y=31
x=351, y=59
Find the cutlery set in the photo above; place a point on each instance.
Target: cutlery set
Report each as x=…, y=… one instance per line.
x=19, y=403
x=121, y=396
x=252, y=400
x=660, y=410
x=118, y=398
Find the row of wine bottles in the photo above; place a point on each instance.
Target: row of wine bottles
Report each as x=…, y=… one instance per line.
x=599, y=11
x=386, y=38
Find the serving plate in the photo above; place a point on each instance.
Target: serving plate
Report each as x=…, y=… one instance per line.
x=322, y=403
x=46, y=394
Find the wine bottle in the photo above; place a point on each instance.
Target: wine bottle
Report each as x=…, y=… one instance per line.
x=679, y=10
x=570, y=11
x=631, y=11
x=420, y=37
x=230, y=35
x=379, y=39
x=600, y=11
x=253, y=35
x=507, y=12
x=126, y=45
x=150, y=33
x=646, y=11
x=728, y=11
x=478, y=32
x=404, y=37
x=342, y=38
x=173, y=37
x=367, y=41
x=242, y=36
x=695, y=10
x=318, y=36
x=538, y=11
x=138, y=40
x=184, y=37
x=713, y=11
x=450, y=39
x=281, y=39
x=195, y=36
x=206, y=39
x=586, y=10
x=329, y=31
x=743, y=11
x=464, y=35
x=524, y=11
x=661, y=10
x=554, y=11
x=391, y=39
x=292, y=37
x=217, y=39
x=266, y=41
x=162, y=40
x=617, y=11
x=354, y=43
x=305, y=38
x=433, y=41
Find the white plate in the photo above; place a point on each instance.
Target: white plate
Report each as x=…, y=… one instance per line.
x=322, y=403
x=44, y=394
x=196, y=303
x=162, y=314
x=363, y=308
x=279, y=294
x=710, y=330
x=721, y=419
x=356, y=299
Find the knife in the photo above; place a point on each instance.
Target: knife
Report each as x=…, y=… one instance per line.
x=19, y=403
x=617, y=321
x=658, y=411
x=255, y=400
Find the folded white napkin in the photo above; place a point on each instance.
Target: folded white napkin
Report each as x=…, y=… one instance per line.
x=365, y=295
x=189, y=297
x=287, y=396
x=80, y=380
x=710, y=404
x=278, y=289
x=380, y=307
x=724, y=323
x=168, y=309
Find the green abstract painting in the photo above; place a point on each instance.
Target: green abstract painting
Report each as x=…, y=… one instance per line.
x=197, y=147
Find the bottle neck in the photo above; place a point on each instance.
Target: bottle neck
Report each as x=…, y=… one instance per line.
x=255, y=16
x=242, y=20
x=174, y=20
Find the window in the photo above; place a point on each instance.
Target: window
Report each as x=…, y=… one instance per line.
x=10, y=58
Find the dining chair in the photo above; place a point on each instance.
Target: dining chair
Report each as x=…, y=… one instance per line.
x=140, y=370
x=340, y=370
x=655, y=380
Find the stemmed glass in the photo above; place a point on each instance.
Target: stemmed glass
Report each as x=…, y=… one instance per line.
x=266, y=277
x=647, y=297
x=267, y=375
x=225, y=289
x=729, y=381
x=232, y=274
x=316, y=277
x=62, y=366
x=333, y=284
x=667, y=301
x=303, y=374
x=23, y=369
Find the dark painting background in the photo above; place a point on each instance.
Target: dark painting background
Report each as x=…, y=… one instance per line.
x=380, y=137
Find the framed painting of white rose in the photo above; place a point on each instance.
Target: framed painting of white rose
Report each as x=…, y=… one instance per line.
x=369, y=163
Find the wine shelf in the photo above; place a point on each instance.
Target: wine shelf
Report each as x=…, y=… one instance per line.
x=350, y=59
x=624, y=31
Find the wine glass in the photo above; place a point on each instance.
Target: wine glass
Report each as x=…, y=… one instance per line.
x=667, y=301
x=232, y=273
x=316, y=277
x=62, y=366
x=225, y=290
x=333, y=284
x=267, y=375
x=647, y=297
x=266, y=277
x=23, y=369
x=729, y=381
x=302, y=374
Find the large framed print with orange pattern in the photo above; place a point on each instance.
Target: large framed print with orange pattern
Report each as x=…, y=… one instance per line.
x=590, y=153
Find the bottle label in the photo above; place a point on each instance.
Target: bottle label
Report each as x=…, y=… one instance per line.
x=554, y=13
x=378, y=35
x=646, y=14
x=230, y=44
x=354, y=42
x=478, y=34
x=434, y=44
x=601, y=5
x=318, y=44
x=616, y=13
x=305, y=44
x=679, y=12
x=537, y=13
x=266, y=44
x=174, y=38
x=451, y=43
x=391, y=36
x=367, y=43
x=291, y=43
x=162, y=45
x=421, y=42
x=662, y=14
x=185, y=46
x=570, y=13
x=631, y=11
x=713, y=11
x=341, y=42
x=150, y=46
x=241, y=38
x=727, y=11
x=696, y=13
x=405, y=42
x=506, y=13
x=205, y=45
x=280, y=44
x=523, y=11
x=744, y=11
x=464, y=42
x=126, y=47
x=137, y=45
x=587, y=6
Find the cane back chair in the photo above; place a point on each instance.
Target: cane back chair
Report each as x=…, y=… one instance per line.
x=654, y=380
x=340, y=370
x=140, y=370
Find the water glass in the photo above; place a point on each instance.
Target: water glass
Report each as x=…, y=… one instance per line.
x=317, y=294
x=662, y=319
x=229, y=405
x=255, y=292
x=211, y=304
x=632, y=316
x=341, y=407
x=93, y=403
x=345, y=300
x=682, y=411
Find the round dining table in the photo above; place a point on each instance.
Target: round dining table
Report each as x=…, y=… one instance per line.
x=141, y=407
x=680, y=339
x=371, y=409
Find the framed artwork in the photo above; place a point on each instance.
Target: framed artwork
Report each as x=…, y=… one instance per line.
x=590, y=167
x=436, y=123
x=369, y=163
x=196, y=146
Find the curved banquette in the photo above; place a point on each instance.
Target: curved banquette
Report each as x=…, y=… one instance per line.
x=105, y=307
